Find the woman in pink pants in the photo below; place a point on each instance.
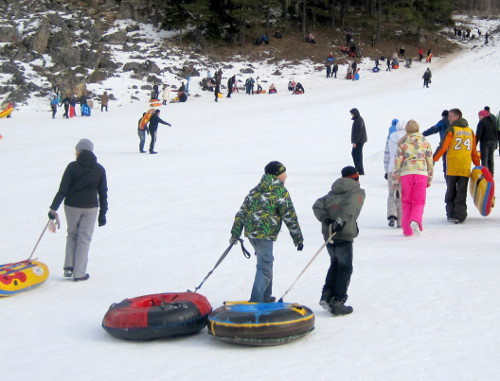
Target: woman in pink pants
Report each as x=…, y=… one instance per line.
x=412, y=174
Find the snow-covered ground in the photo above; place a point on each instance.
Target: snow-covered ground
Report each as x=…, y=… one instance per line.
x=424, y=308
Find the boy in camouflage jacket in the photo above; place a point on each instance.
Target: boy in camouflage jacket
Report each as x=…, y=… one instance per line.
x=262, y=212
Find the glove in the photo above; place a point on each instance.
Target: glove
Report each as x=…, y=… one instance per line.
x=233, y=241
x=170, y=125
x=101, y=219
x=300, y=246
x=385, y=176
x=54, y=222
x=337, y=225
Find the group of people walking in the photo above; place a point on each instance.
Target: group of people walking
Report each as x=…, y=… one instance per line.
x=69, y=103
x=409, y=165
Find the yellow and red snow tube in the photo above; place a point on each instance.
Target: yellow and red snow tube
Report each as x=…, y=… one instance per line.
x=6, y=112
x=21, y=276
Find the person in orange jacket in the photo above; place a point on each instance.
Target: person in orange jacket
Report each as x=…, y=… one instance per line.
x=459, y=144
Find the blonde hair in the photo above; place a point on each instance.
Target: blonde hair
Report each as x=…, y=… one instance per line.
x=411, y=126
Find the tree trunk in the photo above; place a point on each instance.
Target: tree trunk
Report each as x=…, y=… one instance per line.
x=379, y=21
x=304, y=3
x=331, y=7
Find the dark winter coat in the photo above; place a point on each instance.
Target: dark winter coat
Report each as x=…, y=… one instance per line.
x=427, y=75
x=345, y=201
x=65, y=101
x=358, y=131
x=440, y=128
x=486, y=130
x=153, y=122
x=82, y=181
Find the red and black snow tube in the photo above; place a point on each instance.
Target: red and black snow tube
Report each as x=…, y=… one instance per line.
x=157, y=316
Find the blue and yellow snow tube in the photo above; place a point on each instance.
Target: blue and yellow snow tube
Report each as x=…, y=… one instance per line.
x=21, y=276
x=260, y=324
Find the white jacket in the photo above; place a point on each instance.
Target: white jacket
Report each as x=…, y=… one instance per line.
x=391, y=146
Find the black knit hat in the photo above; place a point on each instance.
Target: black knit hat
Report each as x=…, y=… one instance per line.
x=350, y=172
x=274, y=168
x=445, y=113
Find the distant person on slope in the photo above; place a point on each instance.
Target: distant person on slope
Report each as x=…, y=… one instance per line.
x=153, y=128
x=427, y=77
x=54, y=103
x=358, y=140
x=104, y=101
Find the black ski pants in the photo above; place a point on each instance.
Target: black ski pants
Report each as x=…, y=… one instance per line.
x=487, y=151
x=456, y=197
x=338, y=276
x=357, y=158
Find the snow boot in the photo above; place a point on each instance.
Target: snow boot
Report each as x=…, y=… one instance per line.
x=392, y=221
x=68, y=272
x=415, y=227
x=87, y=276
x=326, y=297
x=338, y=308
x=272, y=299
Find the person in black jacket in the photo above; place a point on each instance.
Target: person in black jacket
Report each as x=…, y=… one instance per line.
x=65, y=103
x=82, y=182
x=487, y=137
x=153, y=127
x=358, y=139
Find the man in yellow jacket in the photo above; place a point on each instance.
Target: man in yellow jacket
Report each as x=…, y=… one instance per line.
x=459, y=143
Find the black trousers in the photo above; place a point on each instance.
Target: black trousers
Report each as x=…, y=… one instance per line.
x=357, y=158
x=487, y=151
x=153, y=140
x=456, y=197
x=338, y=276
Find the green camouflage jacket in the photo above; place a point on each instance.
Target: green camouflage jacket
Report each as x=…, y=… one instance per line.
x=263, y=210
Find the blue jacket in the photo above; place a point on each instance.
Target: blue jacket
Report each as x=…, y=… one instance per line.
x=440, y=127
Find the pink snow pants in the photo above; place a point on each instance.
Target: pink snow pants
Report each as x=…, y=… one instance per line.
x=413, y=191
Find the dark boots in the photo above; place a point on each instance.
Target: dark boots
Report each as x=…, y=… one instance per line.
x=326, y=297
x=338, y=308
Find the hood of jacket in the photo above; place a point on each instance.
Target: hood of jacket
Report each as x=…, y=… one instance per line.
x=344, y=185
x=355, y=113
x=268, y=182
x=462, y=122
x=86, y=160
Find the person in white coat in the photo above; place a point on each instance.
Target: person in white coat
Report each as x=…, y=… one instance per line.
x=396, y=132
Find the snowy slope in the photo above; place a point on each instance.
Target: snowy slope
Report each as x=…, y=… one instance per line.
x=424, y=308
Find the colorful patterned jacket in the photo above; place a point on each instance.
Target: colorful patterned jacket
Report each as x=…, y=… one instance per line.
x=263, y=210
x=413, y=157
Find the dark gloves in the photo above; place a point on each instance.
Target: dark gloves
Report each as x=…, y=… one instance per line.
x=385, y=176
x=102, y=218
x=300, y=246
x=52, y=214
x=337, y=225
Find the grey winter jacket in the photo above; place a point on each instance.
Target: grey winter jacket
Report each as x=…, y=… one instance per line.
x=345, y=200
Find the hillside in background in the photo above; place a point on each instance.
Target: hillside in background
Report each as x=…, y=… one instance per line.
x=86, y=46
